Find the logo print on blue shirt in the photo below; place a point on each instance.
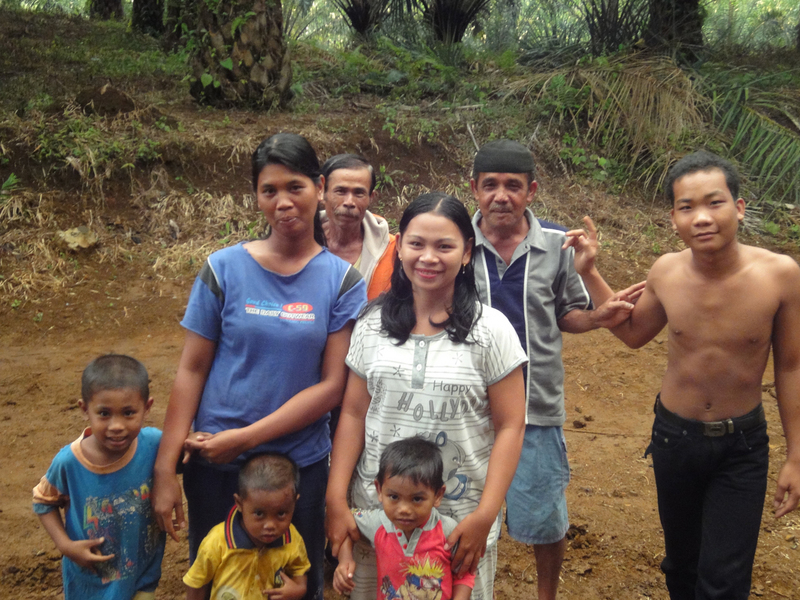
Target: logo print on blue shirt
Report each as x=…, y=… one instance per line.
x=294, y=311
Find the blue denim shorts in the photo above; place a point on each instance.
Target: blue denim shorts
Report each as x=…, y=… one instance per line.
x=536, y=502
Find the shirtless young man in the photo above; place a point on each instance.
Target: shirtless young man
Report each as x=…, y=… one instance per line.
x=726, y=305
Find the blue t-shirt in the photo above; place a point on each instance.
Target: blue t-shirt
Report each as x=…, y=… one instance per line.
x=113, y=502
x=271, y=331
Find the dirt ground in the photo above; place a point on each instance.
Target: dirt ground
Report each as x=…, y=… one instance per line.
x=615, y=546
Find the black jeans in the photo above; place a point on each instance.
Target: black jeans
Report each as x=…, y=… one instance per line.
x=209, y=494
x=710, y=498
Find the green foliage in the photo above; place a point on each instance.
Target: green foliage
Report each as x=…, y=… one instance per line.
x=586, y=163
x=94, y=147
x=409, y=125
x=760, y=121
x=87, y=52
x=384, y=178
x=633, y=112
x=771, y=228
x=10, y=184
x=747, y=26
x=384, y=69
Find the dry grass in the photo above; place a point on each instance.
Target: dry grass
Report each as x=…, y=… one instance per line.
x=173, y=235
x=631, y=106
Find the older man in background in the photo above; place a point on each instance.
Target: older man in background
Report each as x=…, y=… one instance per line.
x=353, y=232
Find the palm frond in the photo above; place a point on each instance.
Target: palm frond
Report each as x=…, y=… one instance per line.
x=363, y=16
x=631, y=106
x=762, y=131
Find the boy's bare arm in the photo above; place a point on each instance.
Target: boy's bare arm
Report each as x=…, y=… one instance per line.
x=616, y=309
x=461, y=592
x=84, y=553
x=786, y=357
x=197, y=593
x=612, y=308
x=648, y=316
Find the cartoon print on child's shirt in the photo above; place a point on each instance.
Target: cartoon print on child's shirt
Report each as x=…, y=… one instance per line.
x=423, y=581
x=108, y=517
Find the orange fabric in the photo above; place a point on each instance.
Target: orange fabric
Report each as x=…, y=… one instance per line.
x=382, y=275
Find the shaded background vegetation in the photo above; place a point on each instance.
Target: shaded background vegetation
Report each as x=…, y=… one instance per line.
x=606, y=92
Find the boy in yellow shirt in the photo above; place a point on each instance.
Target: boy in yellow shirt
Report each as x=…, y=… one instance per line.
x=257, y=551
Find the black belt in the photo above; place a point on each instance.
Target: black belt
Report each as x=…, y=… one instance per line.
x=713, y=428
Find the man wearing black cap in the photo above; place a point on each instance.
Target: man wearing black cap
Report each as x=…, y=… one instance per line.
x=527, y=269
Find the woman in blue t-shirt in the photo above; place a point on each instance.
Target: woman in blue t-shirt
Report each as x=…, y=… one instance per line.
x=268, y=326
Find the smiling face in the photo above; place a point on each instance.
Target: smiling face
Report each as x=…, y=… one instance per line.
x=407, y=504
x=347, y=196
x=267, y=514
x=116, y=417
x=705, y=214
x=433, y=251
x=288, y=200
x=503, y=198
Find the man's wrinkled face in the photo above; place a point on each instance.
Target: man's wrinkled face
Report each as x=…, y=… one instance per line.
x=503, y=198
x=347, y=196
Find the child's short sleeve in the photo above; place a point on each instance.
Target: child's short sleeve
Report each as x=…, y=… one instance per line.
x=298, y=563
x=368, y=522
x=209, y=558
x=51, y=493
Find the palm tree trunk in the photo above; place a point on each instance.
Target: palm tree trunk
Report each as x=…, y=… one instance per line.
x=148, y=17
x=105, y=9
x=241, y=58
x=677, y=26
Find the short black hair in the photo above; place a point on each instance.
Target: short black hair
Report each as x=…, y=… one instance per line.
x=114, y=372
x=702, y=160
x=415, y=458
x=268, y=471
x=504, y=156
x=348, y=161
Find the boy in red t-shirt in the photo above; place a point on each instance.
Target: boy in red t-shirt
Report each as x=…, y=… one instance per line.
x=408, y=533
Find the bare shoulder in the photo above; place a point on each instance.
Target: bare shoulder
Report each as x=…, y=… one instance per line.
x=785, y=268
x=667, y=264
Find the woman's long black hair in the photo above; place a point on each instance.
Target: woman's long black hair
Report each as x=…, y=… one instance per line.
x=397, y=304
x=296, y=154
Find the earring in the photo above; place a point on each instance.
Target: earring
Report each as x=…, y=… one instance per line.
x=463, y=269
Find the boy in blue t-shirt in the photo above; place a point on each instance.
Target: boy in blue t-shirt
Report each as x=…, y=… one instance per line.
x=111, y=543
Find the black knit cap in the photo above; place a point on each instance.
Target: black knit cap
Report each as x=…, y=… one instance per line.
x=503, y=156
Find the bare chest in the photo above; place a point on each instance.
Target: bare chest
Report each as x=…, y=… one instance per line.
x=738, y=312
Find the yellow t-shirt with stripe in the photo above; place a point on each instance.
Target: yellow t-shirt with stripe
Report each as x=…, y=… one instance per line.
x=238, y=569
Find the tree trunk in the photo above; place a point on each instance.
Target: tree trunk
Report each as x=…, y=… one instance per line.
x=797, y=38
x=172, y=26
x=148, y=17
x=180, y=20
x=105, y=9
x=241, y=58
x=677, y=26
